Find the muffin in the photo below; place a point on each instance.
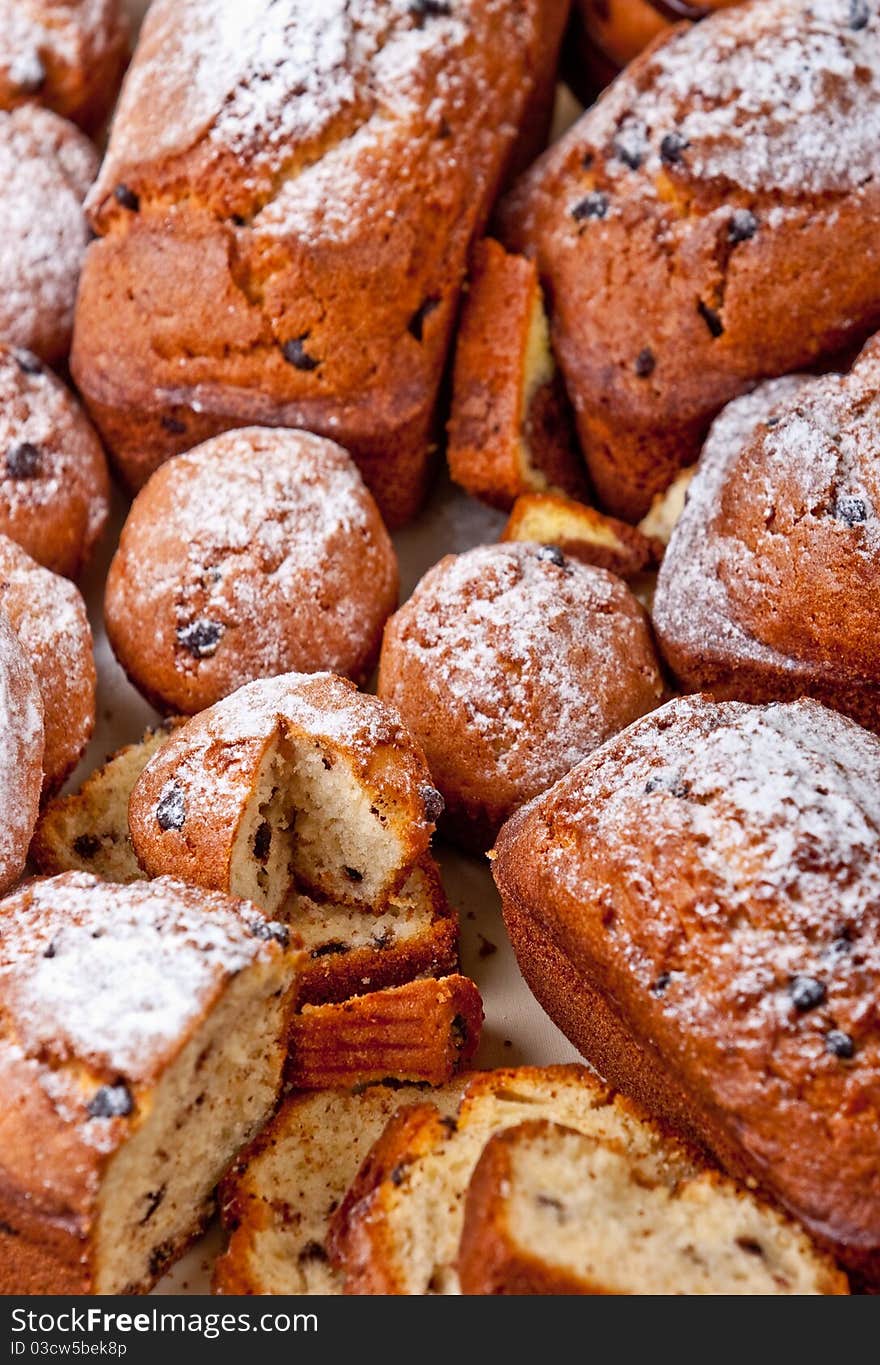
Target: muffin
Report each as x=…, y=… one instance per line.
x=258, y=553
x=769, y=586
x=509, y=664
x=66, y=54
x=21, y=755
x=46, y=167
x=54, y=486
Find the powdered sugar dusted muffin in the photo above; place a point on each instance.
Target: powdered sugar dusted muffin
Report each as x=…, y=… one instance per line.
x=298, y=785
x=259, y=553
x=698, y=906
x=769, y=586
x=509, y=664
x=142, y=1036
x=285, y=212
x=49, y=617
x=66, y=54
x=46, y=167
x=21, y=755
x=54, y=487
x=712, y=221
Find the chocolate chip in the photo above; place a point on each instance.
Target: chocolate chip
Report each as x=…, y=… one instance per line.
x=839, y=1044
x=645, y=363
x=200, y=638
x=750, y=1246
x=661, y=983
x=671, y=148
x=742, y=227
x=23, y=461
x=449, y=1123
x=329, y=949
x=851, y=510
x=593, y=205
x=51, y=950
x=430, y=9
x=171, y=810
x=807, y=993
x=433, y=803
x=416, y=324
x=711, y=318
x=173, y=424
x=673, y=783
x=772, y=422
x=160, y=1257
x=858, y=14
x=262, y=841
x=110, y=1102
x=553, y=555
x=295, y=353
x=587, y=160
x=460, y=1031
x=398, y=1174
x=126, y=198
x=630, y=149
x=353, y=875
x=86, y=845
x=27, y=362
x=270, y=931
x=154, y=1199
x=313, y=1251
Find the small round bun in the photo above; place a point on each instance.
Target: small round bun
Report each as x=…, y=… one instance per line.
x=258, y=553
x=68, y=55
x=49, y=617
x=21, y=755
x=509, y=664
x=46, y=168
x=54, y=486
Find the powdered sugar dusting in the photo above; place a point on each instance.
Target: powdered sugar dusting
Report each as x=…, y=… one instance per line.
x=780, y=95
x=32, y=29
x=21, y=752
x=43, y=230
x=114, y=977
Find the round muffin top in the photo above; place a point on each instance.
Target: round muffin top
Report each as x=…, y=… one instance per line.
x=47, y=166
x=65, y=54
x=21, y=754
x=260, y=552
x=54, y=486
x=798, y=522
x=512, y=662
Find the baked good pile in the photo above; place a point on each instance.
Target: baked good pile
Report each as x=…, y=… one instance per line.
x=254, y=287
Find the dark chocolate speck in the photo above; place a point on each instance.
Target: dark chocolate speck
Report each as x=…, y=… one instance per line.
x=23, y=461
x=200, y=638
x=111, y=1102
x=807, y=993
x=593, y=205
x=839, y=1044
x=127, y=198
x=171, y=810
x=295, y=353
x=645, y=363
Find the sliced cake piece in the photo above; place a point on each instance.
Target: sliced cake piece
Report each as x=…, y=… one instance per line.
x=582, y=532
x=663, y=516
x=142, y=1037
x=87, y=831
x=423, y=1031
x=295, y=783
x=278, y=1198
x=510, y=430
x=553, y=1211
x=399, y=1228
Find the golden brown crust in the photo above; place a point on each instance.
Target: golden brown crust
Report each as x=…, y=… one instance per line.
x=210, y=767
x=583, y=533
x=54, y=485
x=711, y=215
x=510, y=427
x=607, y=34
x=258, y=553
x=68, y=55
x=508, y=666
x=748, y=1034
x=287, y=317
x=423, y=1031
x=21, y=755
x=49, y=617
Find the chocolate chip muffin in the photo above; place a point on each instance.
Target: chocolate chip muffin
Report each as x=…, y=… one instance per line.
x=509, y=664
x=258, y=553
x=697, y=905
x=54, y=486
x=285, y=213
x=769, y=587
x=49, y=617
x=46, y=167
x=21, y=755
x=712, y=221
x=66, y=54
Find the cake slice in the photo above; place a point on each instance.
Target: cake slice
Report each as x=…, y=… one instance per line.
x=278, y=1198
x=142, y=1038
x=553, y=1211
x=423, y=1031
x=582, y=532
x=510, y=429
x=399, y=1229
